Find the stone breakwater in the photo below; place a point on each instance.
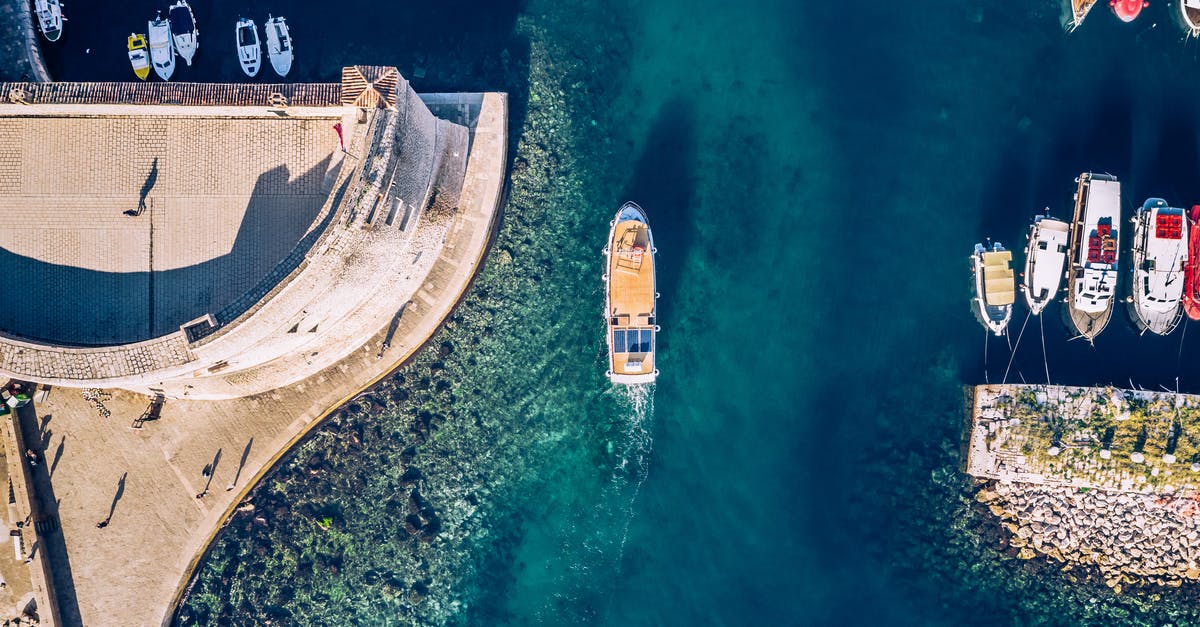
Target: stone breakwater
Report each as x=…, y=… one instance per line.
x=20, y=56
x=1130, y=538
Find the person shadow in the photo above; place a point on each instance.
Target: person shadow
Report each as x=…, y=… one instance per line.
x=147, y=186
x=112, y=508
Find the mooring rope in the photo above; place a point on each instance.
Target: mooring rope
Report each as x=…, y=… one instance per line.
x=1179, y=357
x=1045, y=360
x=986, y=333
x=1013, y=350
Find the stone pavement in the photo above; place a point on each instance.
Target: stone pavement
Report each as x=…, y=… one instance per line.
x=133, y=571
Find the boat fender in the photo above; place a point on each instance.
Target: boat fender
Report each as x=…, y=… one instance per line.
x=604, y=277
x=657, y=328
x=605, y=250
x=656, y=295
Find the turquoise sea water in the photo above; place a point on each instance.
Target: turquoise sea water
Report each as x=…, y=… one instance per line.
x=816, y=175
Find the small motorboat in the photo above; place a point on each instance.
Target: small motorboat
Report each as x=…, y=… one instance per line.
x=631, y=298
x=1073, y=12
x=1127, y=10
x=1160, y=254
x=139, y=57
x=184, y=34
x=162, y=51
x=249, y=48
x=1189, y=16
x=1045, y=257
x=1094, y=254
x=1191, y=272
x=995, y=289
x=279, y=45
x=50, y=18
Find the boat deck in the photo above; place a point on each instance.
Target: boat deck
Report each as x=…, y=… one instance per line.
x=631, y=298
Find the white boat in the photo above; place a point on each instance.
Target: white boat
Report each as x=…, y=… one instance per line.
x=184, y=34
x=1189, y=17
x=995, y=289
x=50, y=18
x=1095, y=239
x=279, y=45
x=249, y=48
x=162, y=50
x=1160, y=253
x=1045, y=258
x=630, y=299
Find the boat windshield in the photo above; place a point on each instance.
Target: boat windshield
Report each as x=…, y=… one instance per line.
x=246, y=35
x=281, y=36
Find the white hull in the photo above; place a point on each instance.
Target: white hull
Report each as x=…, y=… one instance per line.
x=995, y=317
x=50, y=19
x=279, y=45
x=184, y=34
x=1045, y=258
x=630, y=212
x=1095, y=250
x=1160, y=251
x=162, y=50
x=249, y=47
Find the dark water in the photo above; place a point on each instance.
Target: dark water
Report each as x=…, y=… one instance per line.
x=816, y=175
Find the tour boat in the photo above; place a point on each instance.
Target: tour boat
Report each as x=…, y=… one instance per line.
x=1074, y=11
x=279, y=45
x=1189, y=16
x=995, y=290
x=630, y=298
x=1127, y=10
x=1092, y=277
x=1160, y=253
x=1191, y=271
x=1045, y=258
x=162, y=51
x=138, y=57
x=184, y=33
x=249, y=48
x=50, y=18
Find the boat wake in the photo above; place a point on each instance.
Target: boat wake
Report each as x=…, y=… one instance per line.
x=634, y=459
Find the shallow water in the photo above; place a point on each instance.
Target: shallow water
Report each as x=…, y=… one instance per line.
x=816, y=179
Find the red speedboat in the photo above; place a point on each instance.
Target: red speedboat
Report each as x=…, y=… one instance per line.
x=1128, y=10
x=1191, y=272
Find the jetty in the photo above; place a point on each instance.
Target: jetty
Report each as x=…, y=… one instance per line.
x=1100, y=477
x=199, y=274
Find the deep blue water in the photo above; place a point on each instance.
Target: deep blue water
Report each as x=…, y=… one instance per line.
x=816, y=175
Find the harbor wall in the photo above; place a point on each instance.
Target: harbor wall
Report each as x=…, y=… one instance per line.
x=20, y=50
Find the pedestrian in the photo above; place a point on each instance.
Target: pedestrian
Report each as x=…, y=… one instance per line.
x=31, y=456
x=102, y=524
x=201, y=495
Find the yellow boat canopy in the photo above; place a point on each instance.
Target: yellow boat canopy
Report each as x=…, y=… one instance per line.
x=998, y=282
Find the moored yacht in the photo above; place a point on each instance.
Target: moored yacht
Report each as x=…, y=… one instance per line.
x=1073, y=12
x=1160, y=252
x=138, y=57
x=50, y=18
x=995, y=290
x=184, y=33
x=1191, y=271
x=1092, y=276
x=162, y=51
x=279, y=45
x=249, y=48
x=1045, y=257
x=630, y=299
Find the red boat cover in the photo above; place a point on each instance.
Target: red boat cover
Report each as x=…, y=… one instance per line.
x=1127, y=10
x=1191, y=272
x=1168, y=226
x=1102, y=246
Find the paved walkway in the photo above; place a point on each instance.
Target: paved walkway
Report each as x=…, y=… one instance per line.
x=132, y=571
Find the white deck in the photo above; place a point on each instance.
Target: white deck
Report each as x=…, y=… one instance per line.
x=1095, y=289
x=1158, y=278
x=1045, y=260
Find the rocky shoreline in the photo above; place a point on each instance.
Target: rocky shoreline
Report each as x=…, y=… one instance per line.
x=1130, y=538
x=20, y=54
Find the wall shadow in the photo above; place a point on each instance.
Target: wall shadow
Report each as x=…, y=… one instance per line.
x=45, y=519
x=76, y=306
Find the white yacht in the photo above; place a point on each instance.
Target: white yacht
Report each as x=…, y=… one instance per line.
x=249, y=48
x=1160, y=253
x=50, y=18
x=1095, y=239
x=162, y=50
x=279, y=45
x=1045, y=258
x=184, y=33
x=995, y=290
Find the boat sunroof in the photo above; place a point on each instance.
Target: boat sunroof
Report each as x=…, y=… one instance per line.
x=633, y=340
